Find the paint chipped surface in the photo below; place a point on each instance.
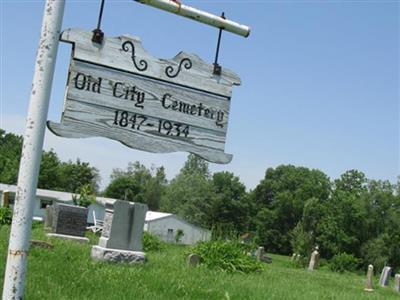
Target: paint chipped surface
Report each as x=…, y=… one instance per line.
x=31, y=151
x=18, y=252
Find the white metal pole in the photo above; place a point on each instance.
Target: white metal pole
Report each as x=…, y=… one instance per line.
x=197, y=15
x=14, y=278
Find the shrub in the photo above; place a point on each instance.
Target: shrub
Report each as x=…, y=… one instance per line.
x=86, y=196
x=301, y=241
x=344, y=262
x=151, y=242
x=228, y=256
x=5, y=216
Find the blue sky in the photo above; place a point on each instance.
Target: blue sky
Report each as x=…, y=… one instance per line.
x=320, y=81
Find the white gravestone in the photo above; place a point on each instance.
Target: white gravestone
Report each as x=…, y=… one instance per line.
x=118, y=91
x=314, y=260
x=385, y=275
x=370, y=276
x=121, y=238
x=397, y=283
x=260, y=253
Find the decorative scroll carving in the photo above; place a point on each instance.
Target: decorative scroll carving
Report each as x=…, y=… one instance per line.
x=186, y=63
x=128, y=46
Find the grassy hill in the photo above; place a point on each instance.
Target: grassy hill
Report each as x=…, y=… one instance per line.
x=67, y=272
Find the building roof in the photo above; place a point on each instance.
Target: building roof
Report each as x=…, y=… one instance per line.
x=155, y=215
x=67, y=197
x=59, y=196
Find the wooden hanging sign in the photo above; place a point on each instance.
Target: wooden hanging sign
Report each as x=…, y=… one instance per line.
x=118, y=91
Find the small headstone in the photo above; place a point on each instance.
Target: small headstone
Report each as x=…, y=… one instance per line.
x=262, y=256
x=48, y=217
x=314, y=260
x=385, y=275
x=297, y=258
x=193, y=260
x=121, y=238
x=68, y=222
x=5, y=199
x=397, y=282
x=260, y=253
x=368, y=282
x=293, y=257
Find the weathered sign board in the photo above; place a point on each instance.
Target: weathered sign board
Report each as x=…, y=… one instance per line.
x=118, y=91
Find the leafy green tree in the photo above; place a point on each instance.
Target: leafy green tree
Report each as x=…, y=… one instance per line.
x=304, y=236
x=138, y=184
x=53, y=174
x=229, y=207
x=73, y=176
x=191, y=192
x=49, y=175
x=383, y=225
x=123, y=188
x=334, y=223
x=279, y=200
x=361, y=218
x=189, y=196
x=196, y=165
x=10, y=154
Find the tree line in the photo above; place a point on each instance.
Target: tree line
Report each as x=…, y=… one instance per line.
x=53, y=175
x=292, y=209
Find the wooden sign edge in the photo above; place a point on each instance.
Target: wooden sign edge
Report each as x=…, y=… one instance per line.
x=215, y=156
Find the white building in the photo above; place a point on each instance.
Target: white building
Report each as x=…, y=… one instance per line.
x=164, y=225
x=48, y=197
x=169, y=228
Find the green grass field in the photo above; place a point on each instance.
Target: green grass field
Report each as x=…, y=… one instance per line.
x=67, y=272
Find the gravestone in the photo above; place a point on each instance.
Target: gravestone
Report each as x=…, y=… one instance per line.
x=293, y=257
x=261, y=256
x=397, y=283
x=5, y=199
x=193, y=260
x=314, y=260
x=48, y=217
x=385, y=275
x=260, y=253
x=370, y=276
x=121, y=238
x=68, y=222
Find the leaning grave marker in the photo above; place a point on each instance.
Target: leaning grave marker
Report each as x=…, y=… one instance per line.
x=118, y=91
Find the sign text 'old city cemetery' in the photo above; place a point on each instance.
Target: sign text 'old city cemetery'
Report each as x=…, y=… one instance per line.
x=118, y=91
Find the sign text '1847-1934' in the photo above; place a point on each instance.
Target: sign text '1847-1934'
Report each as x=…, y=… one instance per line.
x=150, y=104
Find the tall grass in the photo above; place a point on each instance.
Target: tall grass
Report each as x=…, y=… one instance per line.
x=68, y=272
x=227, y=255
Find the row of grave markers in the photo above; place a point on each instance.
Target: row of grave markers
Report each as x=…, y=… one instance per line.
x=383, y=280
